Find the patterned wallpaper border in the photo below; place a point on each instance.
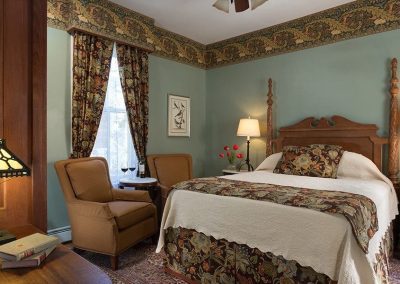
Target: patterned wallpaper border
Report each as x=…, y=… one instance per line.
x=356, y=19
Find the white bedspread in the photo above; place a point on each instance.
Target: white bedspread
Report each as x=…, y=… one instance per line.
x=323, y=241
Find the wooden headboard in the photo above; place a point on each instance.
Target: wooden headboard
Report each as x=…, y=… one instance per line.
x=337, y=130
x=352, y=136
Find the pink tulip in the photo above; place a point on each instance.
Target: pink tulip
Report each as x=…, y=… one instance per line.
x=235, y=147
x=226, y=148
x=221, y=155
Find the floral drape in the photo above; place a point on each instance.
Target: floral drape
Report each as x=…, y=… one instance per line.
x=134, y=74
x=91, y=68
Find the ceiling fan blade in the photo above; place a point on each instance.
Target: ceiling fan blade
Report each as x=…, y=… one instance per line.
x=241, y=5
x=222, y=5
x=256, y=3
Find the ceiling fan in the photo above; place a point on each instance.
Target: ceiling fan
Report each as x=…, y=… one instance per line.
x=240, y=5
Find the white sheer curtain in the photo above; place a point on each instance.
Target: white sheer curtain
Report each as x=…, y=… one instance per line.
x=113, y=140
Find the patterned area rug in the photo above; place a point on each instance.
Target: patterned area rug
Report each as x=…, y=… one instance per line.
x=138, y=265
x=141, y=265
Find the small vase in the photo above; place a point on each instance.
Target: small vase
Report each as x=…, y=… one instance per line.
x=231, y=167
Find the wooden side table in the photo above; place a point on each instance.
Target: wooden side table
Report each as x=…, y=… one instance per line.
x=61, y=266
x=148, y=184
x=141, y=183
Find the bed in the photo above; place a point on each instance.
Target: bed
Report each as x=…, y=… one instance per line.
x=269, y=227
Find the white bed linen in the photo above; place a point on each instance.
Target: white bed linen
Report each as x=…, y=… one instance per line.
x=322, y=241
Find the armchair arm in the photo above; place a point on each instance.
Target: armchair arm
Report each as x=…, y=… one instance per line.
x=131, y=195
x=90, y=209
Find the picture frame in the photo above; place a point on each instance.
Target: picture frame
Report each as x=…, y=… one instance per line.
x=178, y=115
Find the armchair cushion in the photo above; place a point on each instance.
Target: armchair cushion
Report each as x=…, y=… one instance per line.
x=90, y=181
x=131, y=195
x=128, y=213
x=80, y=208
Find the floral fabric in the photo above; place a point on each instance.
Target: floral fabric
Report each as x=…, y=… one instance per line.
x=359, y=210
x=204, y=259
x=91, y=68
x=381, y=266
x=134, y=72
x=317, y=160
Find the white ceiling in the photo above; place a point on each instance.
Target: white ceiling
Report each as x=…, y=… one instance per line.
x=198, y=20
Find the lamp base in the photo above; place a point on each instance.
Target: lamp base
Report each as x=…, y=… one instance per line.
x=6, y=237
x=249, y=167
x=247, y=161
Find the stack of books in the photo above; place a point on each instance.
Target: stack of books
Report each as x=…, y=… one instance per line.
x=27, y=252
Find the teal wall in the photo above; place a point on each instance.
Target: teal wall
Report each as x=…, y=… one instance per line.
x=166, y=77
x=169, y=77
x=349, y=78
x=58, y=120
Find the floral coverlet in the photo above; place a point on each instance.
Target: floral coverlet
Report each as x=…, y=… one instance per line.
x=359, y=210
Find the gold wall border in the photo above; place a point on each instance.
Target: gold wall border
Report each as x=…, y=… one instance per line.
x=123, y=25
x=356, y=19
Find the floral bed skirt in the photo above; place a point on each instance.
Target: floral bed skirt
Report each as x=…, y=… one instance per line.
x=198, y=258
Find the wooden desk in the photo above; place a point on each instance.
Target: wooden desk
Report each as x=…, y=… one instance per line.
x=61, y=266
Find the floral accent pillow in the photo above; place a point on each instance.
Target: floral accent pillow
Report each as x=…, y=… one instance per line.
x=316, y=160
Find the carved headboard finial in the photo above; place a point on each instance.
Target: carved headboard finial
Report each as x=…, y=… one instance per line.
x=393, y=168
x=270, y=129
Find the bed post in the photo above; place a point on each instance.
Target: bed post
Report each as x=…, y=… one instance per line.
x=393, y=167
x=270, y=129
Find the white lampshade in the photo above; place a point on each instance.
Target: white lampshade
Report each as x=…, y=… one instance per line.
x=248, y=127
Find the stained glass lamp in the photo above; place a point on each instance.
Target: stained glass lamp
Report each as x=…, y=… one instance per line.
x=10, y=166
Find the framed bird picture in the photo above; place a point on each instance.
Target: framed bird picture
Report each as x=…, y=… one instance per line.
x=178, y=116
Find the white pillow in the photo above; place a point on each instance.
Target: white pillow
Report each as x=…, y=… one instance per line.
x=355, y=165
x=270, y=162
x=351, y=165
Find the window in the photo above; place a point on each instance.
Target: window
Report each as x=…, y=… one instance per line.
x=114, y=141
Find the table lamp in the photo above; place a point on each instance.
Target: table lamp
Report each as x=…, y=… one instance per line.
x=10, y=166
x=248, y=127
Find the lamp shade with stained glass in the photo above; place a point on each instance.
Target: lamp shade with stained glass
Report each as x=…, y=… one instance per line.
x=10, y=164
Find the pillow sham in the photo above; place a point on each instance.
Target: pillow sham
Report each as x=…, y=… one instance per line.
x=353, y=165
x=316, y=160
x=270, y=162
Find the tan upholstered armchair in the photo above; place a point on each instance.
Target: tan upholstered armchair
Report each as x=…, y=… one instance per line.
x=103, y=219
x=170, y=169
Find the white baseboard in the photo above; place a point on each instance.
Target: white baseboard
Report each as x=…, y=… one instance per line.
x=63, y=233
